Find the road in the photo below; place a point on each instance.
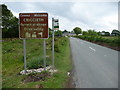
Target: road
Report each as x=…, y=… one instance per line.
x=95, y=66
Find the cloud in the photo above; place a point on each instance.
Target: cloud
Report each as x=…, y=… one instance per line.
x=86, y=15
x=66, y=23
x=59, y=0
x=101, y=16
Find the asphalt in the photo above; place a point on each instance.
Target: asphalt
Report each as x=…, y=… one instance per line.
x=95, y=66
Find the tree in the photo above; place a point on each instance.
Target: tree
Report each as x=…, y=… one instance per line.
x=58, y=33
x=65, y=31
x=77, y=30
x=85, y=33
x=92, y=32
x=115, y=33
x=50, y=32
x=99, y=33
x=107, y=34
x=9, y=23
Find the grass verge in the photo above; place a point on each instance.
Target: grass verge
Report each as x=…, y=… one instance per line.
x=12, y=62
x=112, y=42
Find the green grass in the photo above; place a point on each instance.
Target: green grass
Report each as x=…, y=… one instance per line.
x=0, y=65
x=110, y=40
x=12, y=62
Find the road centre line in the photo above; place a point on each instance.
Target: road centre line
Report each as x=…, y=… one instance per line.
x=92, y=48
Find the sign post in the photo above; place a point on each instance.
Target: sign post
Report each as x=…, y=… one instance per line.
x=33, y=26
x=53, y=42
x=44, y=55
x=55, y=26
x=24, y=45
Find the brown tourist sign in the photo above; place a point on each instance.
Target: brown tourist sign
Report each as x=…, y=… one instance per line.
x=33, y=25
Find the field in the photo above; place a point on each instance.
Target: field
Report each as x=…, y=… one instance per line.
x=12, y=62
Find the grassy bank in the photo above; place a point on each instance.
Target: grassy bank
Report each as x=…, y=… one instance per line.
x=12, y=62
x=110, y=41
x=0, y=65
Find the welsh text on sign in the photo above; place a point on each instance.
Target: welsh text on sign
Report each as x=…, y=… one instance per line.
x=33, y=25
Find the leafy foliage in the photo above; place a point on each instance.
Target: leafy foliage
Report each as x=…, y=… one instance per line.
x=92, y=32
x=77, y=30
x=9, y=23
x=58, y=33
x=85, y=33
x=50, y=32
x=115, y=33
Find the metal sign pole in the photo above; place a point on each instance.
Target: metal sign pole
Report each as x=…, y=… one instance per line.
x=24, y=45
x=44, y=55
x=53, y=42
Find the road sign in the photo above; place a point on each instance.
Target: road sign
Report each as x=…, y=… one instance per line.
x=33, y=25
x=56, y=24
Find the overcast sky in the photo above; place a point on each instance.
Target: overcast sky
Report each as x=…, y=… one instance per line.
x=86, y=15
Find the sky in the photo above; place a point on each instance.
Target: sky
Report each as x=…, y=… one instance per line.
x=100, y=16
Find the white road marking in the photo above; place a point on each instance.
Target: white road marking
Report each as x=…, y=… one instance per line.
x=92, y=48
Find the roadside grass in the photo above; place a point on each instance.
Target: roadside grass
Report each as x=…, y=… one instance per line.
x=0, y=65
x=111, y=40
x=12, y=62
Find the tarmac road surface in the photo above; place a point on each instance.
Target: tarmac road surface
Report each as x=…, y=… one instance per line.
x=95, y=66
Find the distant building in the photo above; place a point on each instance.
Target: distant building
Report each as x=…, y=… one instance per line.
x=103, y=33
x=79, y=34
x=64, y=34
